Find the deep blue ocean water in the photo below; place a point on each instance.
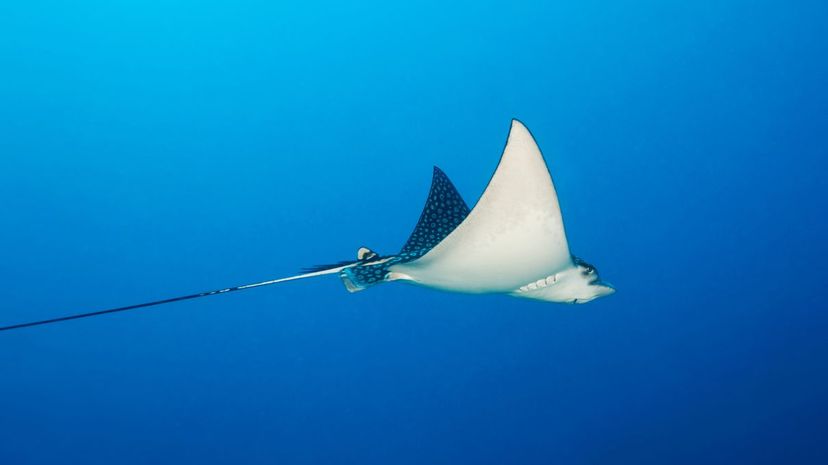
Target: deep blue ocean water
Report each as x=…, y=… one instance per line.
x=153, y=149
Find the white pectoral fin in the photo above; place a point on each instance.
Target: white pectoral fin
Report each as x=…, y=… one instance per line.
x=513, y=235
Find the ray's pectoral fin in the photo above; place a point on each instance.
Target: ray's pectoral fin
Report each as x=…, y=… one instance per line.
x=444, y=210
x=512, y=237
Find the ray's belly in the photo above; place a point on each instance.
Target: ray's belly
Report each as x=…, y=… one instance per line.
x=473, y=280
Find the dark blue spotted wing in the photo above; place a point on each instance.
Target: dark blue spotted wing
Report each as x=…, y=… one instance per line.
x=444, y=210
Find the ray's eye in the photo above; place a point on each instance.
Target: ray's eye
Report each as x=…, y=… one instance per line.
x=589, y=270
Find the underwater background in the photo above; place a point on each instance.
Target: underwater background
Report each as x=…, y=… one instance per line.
x=153, y=149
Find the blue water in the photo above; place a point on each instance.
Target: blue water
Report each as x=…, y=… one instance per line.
x=152, y=149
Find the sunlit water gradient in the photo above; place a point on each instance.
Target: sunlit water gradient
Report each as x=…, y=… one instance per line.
x=153, y=149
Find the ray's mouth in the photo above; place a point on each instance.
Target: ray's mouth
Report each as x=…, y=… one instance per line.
x=598, y=282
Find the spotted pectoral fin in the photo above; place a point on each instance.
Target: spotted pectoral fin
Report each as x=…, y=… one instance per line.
x=444, y=210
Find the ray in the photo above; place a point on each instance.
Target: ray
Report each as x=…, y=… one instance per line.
x=512, y=242
x=513, y=235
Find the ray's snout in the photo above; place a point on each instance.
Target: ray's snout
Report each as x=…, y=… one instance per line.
x=603, y=289
x=596, y=289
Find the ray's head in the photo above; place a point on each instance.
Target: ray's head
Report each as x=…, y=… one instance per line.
x=578, y=283
x=583, y=284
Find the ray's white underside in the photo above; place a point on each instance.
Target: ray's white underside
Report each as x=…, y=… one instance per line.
x=513, y=238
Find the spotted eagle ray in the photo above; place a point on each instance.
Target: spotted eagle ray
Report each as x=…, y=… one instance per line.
x=512, y=242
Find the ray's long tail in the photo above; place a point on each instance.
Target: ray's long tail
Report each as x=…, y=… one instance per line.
x=176, y=299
